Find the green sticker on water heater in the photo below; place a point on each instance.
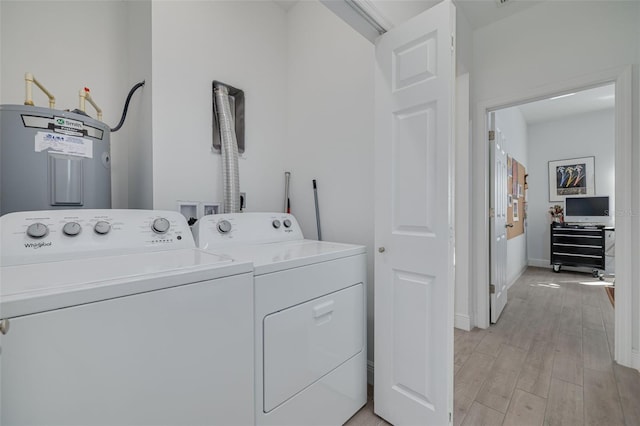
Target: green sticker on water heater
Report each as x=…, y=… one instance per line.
x=68, y=126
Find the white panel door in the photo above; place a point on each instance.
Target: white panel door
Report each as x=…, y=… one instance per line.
x=414, y=219
x=499, y=201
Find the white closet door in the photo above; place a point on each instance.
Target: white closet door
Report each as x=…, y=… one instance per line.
x=414, y=219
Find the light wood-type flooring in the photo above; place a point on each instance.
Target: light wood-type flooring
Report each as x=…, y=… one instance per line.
x=548, y=360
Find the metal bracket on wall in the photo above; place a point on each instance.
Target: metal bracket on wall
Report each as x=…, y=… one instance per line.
x=236, y=99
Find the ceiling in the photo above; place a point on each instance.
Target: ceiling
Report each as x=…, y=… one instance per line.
x=285, y=4
x=478, y=12
x=590, y=100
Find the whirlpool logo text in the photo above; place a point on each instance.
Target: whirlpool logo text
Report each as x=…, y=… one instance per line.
x=37, y=245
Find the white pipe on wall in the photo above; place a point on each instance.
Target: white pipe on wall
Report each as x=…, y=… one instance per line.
x=229, y=151
x=29, y=81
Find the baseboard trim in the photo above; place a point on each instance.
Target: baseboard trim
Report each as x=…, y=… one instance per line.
x=540, y=263
x=635, y=359
x=370, y=372
x=513, y=281
x=463, y=322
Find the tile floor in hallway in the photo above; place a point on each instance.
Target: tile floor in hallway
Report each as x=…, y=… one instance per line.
x=547, y=361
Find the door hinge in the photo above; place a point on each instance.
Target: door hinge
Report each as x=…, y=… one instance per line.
x=492, y=135
x=492, y=213
x=492, y=289
x=450, y=419
x=453, y=44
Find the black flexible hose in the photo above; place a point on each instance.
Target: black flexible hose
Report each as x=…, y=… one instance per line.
x=126, y=106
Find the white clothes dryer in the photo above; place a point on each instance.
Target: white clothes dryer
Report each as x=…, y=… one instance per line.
x=310, y=316
x=114, y=317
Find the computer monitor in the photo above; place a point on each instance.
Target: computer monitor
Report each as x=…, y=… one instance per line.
x=587, y=210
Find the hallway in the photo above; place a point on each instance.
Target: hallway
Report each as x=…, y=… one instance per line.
x=548, y=360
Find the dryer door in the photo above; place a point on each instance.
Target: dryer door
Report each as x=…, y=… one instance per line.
x=307, y=341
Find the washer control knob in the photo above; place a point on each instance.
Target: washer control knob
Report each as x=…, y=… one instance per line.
x=276, y=223
x=287, y=223
x=37, y=230
x=224, y=226
x=71, y=229
x=160, y=225
x=102, y=227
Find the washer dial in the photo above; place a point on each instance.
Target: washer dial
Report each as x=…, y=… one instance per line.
x=71, y=229
x=287, y=223
x=160, y=225
x=102, y=227
x=276, y=223
x=224, y=226
x=37, y=230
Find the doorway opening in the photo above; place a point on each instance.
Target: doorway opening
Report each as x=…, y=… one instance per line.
x=622, y=78
x=492, y=368
x=555, y=148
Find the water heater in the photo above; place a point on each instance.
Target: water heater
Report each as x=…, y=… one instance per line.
x=52, y=159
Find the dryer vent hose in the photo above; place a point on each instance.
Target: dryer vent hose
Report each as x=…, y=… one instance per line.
x=229, y=150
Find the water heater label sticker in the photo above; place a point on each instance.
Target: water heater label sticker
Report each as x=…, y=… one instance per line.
x=67, y=126
x=65, y=144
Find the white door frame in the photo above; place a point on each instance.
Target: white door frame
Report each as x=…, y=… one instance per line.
x=622, y=77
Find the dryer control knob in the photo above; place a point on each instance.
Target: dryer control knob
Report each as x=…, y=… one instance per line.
x=160, y=225
x=71, y=229
x=102, y=227
x=224, y=226
x=287, y=223
x=276, y=223
x=37, y=230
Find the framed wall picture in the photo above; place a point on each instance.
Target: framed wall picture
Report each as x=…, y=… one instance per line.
x=574, y=176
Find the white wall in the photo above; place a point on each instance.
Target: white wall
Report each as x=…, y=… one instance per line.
x=514, y=129
x=464, y=61
x=1, y=50
x=515, y=55
x=464, y=44
x=138, y=124
x=242, y=44
x=330, y=130
x=635, y=220
x=68, y=45
x=462, y=303
x=583, y=135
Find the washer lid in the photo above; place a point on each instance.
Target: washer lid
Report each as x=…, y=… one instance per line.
x=268, y=258
x=39, y=287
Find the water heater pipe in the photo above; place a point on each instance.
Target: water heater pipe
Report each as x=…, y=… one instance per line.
x=29, y=81
x=85, y=95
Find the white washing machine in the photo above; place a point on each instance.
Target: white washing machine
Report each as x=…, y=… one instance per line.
x=310, y=316
x=114, y=317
